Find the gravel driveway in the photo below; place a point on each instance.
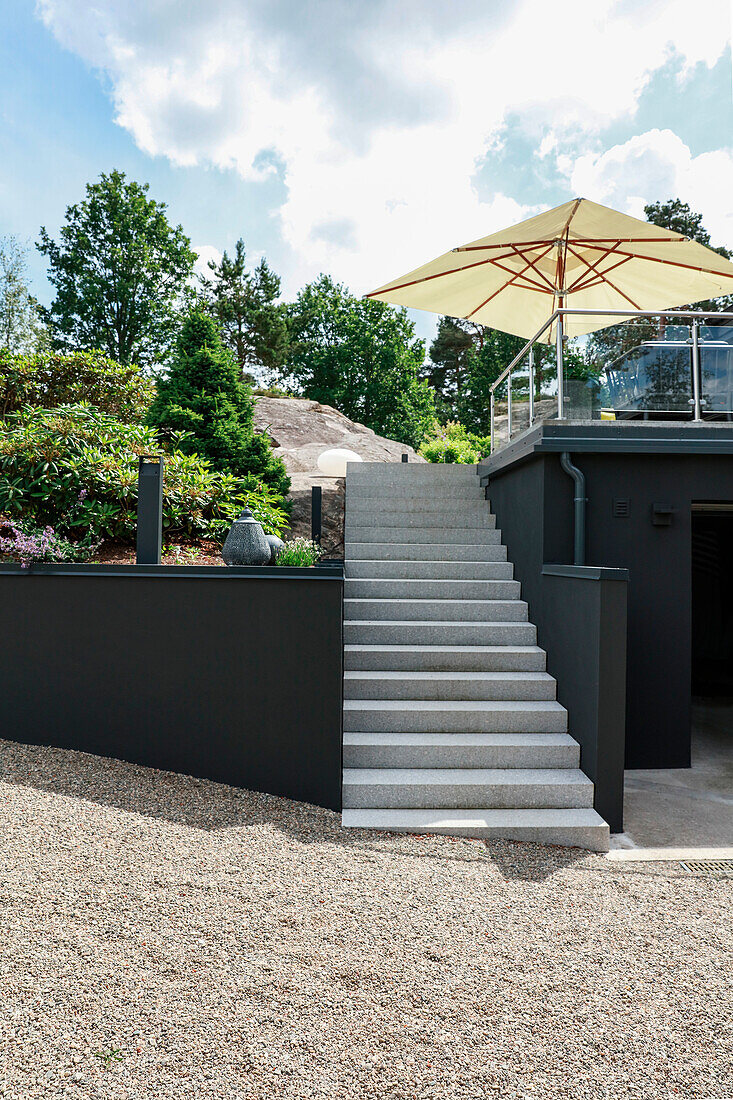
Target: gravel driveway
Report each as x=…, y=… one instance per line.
x=165, y=937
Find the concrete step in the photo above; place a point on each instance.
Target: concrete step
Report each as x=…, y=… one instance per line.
x=386, y=589
x=450, y=658
x=422, y=504
x=460, y=750
x=407, y=632
x=509, y=686
x=463, y=536
x=576, y=828
x=466, y=788
x=408, y=491
x=454, y=520
x=370, y=473
x=430, y=570
x=478, y=611
x=418, y=551
x=454, y=716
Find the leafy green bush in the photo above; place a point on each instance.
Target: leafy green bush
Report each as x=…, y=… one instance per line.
x=205, y=397
x=299, y=552
x=451, y=442
x=51, y=379
x=76, y=468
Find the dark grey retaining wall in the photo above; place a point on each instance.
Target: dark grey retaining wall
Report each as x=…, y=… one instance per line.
x=228, y=674
x=581, y=622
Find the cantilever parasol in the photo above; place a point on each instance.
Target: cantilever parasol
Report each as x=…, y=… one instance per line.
x=579, y=255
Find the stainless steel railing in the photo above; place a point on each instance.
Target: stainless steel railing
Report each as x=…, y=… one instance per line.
x=671, y=394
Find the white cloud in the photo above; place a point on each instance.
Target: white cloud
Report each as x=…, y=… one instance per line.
x=205, y=253
x=378, y=111
x=658, y=165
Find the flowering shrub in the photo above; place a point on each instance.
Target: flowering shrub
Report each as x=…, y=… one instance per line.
x=20, y=542
x=299, y=552
x=52, y=379
x=76, y=468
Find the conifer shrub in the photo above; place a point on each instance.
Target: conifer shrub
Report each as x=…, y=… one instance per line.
x=204, y=401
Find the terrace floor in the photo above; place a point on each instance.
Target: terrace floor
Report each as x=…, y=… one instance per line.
x=170, y=937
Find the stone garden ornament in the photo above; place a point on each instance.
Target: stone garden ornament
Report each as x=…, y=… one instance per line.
x=246, y=543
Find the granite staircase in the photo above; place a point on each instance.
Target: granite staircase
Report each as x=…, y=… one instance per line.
x=451, y=723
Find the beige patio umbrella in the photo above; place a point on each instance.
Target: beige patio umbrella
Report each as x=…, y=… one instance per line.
x=578, y=255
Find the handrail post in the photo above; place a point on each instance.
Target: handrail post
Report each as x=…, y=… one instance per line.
x=509, y=407
x=531, y=386
x=560, y=369
x=491, y=423
x=696, y=371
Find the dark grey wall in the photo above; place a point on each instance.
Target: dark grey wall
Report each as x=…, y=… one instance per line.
x=658, y=560
x=581, y=621
x=232, y=675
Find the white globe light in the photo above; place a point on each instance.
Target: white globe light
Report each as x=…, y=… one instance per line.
x=333, y=463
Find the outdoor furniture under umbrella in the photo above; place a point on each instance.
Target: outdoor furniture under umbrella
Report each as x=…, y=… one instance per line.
x=579, y=255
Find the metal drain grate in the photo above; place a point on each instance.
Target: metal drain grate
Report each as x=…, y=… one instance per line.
x=711, y=866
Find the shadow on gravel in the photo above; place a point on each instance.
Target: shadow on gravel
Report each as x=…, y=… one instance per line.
x=204, y=804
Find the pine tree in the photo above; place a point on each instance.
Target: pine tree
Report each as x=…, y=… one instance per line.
x=205, y=395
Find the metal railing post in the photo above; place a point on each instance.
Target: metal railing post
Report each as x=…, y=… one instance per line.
x=696, y=372
x=531, y=386
x=509, y=407
x=560, y=369
x=491, y=423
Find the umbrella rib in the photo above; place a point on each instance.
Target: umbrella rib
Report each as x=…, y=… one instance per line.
x=580, y=285
x=576, y=240
x=537, y=271
x=451, y=271
x=499, y=289
x=594, y=267
x=591, y=266
x=672, y=263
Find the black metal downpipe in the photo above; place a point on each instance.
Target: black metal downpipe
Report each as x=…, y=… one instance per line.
x=579, y=505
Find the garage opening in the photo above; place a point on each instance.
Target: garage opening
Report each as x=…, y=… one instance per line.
x=712, y=637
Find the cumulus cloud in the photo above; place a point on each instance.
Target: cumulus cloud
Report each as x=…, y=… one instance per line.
x=658, y=164
x=375, y=113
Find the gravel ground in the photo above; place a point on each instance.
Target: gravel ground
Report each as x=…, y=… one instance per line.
x=168, y=937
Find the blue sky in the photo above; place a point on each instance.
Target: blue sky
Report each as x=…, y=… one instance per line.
x=362, y=139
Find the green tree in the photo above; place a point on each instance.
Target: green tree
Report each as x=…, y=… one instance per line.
x=21, y=327
x=363, y=358
x=253, y=324
x=120, y=270
x=205, y=397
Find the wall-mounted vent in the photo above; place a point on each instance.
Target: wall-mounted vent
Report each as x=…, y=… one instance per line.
x=621, y=507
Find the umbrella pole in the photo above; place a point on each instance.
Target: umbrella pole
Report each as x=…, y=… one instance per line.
x=560, y=367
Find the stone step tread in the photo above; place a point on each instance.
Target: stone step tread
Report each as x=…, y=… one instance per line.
x=450, y=677
x=500, y=706
x=582, y=828
x=436, y=551
x=484, y=777
x=435, y=650
x=428, y=571
x=398, y=602
x=431, y=740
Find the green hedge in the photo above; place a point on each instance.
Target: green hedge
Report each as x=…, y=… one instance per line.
x=76, y=467
x=48, y=380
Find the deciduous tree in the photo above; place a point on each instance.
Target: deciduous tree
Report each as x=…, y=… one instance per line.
x=119, y=270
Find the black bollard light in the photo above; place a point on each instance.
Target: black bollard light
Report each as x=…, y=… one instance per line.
x=316, y=496
x=149, y=510
x=405, y=458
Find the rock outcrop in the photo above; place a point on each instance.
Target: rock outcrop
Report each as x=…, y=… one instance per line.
x=300, y=431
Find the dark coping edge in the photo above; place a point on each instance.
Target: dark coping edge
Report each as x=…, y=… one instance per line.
x=329, y=572
x=585, y=572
